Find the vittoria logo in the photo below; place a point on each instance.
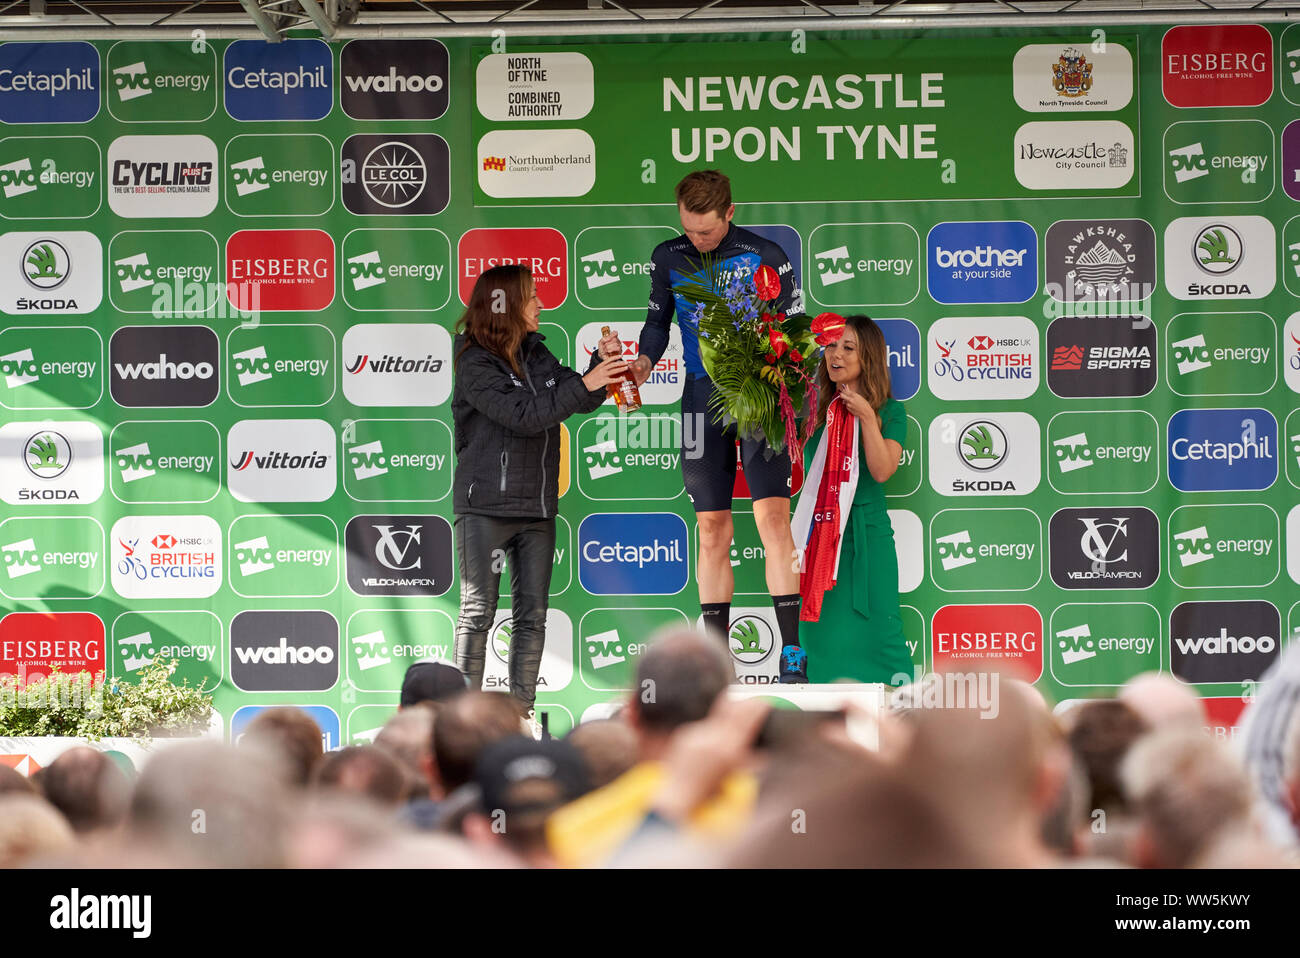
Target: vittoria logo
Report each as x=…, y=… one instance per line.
x=1217, y=65
x=281, y=460
x=1115, y=548
x=396, y=364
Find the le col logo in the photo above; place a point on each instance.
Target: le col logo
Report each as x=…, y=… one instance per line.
x=385, y=175
x=394, y=79
x=163, y=366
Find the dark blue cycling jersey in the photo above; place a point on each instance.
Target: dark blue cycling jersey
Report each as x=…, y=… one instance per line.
x=678, y=259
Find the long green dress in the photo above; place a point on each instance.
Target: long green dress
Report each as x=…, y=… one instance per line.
x=859, y=636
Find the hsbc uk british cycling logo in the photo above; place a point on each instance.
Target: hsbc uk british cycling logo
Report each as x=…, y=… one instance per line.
x=1105, y=549
x=399, y=555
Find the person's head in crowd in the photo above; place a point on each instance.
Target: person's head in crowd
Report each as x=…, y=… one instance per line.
x=608, y=747
x=293, y=735
x=1100, y=733
x=1184, y=789
x=88, y=787
x=31, y=829
x=465, y=726
x=1161, y=700
x=521, y=782
x=995, y=776
x=1064, y=823
x=430, y=682
x=1291, y=769
x=408, y=737
x=503, y=309
x=334, y=826
x=364, y=770
x=14, y=781
x=678, y=678
x=202, y=804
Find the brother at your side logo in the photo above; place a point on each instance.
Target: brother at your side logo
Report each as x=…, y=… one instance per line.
x=989, y=262
x=1214, y=450
x=633, y=554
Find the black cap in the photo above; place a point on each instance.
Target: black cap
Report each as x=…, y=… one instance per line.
x=431, y=682
x=505, y=765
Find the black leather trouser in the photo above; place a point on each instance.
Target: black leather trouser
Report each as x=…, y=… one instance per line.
x=485, y=546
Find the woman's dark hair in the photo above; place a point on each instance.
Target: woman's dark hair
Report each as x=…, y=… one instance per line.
x=494, y=318
x=873, y=382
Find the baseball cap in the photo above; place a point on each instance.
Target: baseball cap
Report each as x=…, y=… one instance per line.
x=520, y=775
x=431, y=682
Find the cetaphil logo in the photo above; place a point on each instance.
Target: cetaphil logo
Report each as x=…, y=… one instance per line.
x=543, y=250
x=289, y=80
x=281, y=460
x=394, y=79
x=62, y=463
x=1115, y=548
x=60, y=273
x=275, y=270
x=984, y=262
x=1222, y=449
x=1212, y=642
x=399, y=555
x=993, y=358
x=163, y=366
x=396, y=364
x=994, y=455
x=162, y=176
x=385, y=175
x=1074, y=155
x=166, y=557
x=1100, y=260
x=633, y=554
x=289, y=651
x=49, y=82
x=1231, y=257
x=1217, y=65
x=1090, y=356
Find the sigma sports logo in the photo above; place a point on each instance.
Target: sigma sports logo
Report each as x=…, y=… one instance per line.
x=49, y=82
x=1117, y=548
x=386, y=175
x=1100, y=260
x=1003, y=637
x=397, y=364
x=996, y=454
x=62, y=273
x=166, y=557
x=399, y=555
x=394, y=79
x=63, y=463
x=1096, y=356
x=1213, y=642
x=633, y=554
x=1217, y=66
x=281, y=460
x=1222, y=449
x=985, y=262
x=293, y=651
x=163, y=366
x=1230, y=257
x=993, y=358
x=289, y=80
x=162, y=176
x=543, y=250
x=275, y=270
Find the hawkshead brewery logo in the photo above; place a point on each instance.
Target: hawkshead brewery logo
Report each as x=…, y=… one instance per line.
x=1100, y=261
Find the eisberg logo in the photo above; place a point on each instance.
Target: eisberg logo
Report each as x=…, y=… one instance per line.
x=984, y=262
x=394, y=79
x=49, y=82
x=1222, y=449
x=633, y=554
x=289, y=80
x=1217, y=65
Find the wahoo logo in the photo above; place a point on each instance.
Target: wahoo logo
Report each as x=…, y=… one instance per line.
x=1076, y=644
x=1193, y=546
x=285, y=654
x=132, y=81
x=254, y=556
x=133, y=272
x=20, y=558
x=252, y=366
x=834, y=265
x=603, y=460
x=279, y=460
x=394, y=364
x=17, y=178
x=366, y=270
x=250, y=176
x=599, y=269
x=368, y=460
x=1189, y=163
x=1192, y=354
x=370, y=649
x=134, y=462
x=956, y=550
x=1073, y=452
x=393, y=82
x=163, y=368
x=606, y=649
x=19, y=368
x=134, y=648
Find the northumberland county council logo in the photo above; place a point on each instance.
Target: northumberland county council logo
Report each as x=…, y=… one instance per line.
x=494, y=163
x=46, y=264
x=982, y=445
x=1071, y=74
x=48, y=455
x=750, y=639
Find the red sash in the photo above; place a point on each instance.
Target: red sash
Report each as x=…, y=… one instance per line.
x=824, y=539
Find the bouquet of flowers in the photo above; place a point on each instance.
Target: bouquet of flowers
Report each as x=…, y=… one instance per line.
x=763, y=361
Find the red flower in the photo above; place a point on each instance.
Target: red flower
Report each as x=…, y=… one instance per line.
x=828, y=327
x=770, y=358
x=777, y=339
x=796, y=355
x=767, y=283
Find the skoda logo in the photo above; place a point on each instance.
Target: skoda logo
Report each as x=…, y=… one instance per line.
x=750, y=639
x=393, y=174
x=982, y=445
x=1217, y=249
x=48, y=455
x=46, y=264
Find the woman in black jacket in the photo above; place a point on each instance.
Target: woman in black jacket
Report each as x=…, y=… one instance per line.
x=509, y=399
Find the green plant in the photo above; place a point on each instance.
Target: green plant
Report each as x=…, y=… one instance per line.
x=84, y=706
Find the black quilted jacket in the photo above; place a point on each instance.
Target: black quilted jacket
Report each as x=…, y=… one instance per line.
x=508, y=429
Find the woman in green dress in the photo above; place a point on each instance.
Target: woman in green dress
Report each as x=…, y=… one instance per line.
x=851, y=628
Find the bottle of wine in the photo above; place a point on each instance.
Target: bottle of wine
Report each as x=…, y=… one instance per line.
x=625, y=391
